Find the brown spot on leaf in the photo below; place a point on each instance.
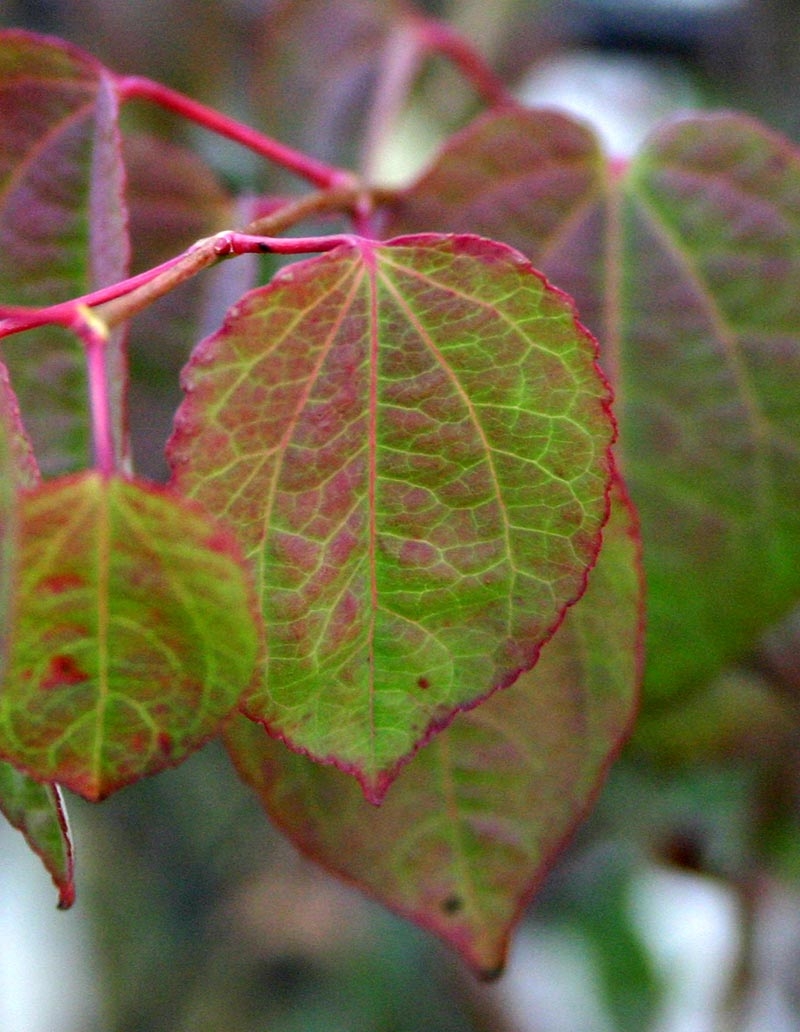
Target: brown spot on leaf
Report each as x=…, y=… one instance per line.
x=423, y=682
x=62, y=672
x=60, y=583
x=165, y=743
x=452, y=904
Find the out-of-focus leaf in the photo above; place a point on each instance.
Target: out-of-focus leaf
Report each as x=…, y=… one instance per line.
x=18, y=470
x=686, y=265
x=62, y=229
x=330, y=55
x=133, y=639
x=174, y=198
x=36, y=810
x=411, y=441
x=469, y=829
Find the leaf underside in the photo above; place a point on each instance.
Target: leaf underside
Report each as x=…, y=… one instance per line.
x=411, y=441
x=686, y=266
x=133, y=639
x=470, y=827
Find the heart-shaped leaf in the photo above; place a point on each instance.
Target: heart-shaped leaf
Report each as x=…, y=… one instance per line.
x=471, y=826
x=133, y=638
x=411, y=440
x=62, y=229
x=686, y=265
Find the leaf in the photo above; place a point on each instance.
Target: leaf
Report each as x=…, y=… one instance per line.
x=36, y=810
x=18, y=470
x=134, y=636
x=686, y=265
x=470, y=827
x=62, y=229
x=411, y=441
x=174, y=199
x=333, y=71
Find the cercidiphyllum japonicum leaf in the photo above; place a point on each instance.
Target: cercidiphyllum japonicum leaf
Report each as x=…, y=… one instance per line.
x=686, y=264
x=334, y=72
x=411, y=441
x=470, y=827
x=34, y=809
x=18, y=470
x=37, y=810
x=62, y=230
x=134, y=635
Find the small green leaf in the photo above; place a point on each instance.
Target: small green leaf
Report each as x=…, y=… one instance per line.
x=412, y=442
x=470, y=827
x=133, y=639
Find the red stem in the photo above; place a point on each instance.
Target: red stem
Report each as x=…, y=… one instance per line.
x=14, y=319
x=94, y=336
x=317, y=172
x=439, y=38
x=231, y=243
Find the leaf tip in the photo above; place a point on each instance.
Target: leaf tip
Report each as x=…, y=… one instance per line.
x=66, y=894
x=491, y=974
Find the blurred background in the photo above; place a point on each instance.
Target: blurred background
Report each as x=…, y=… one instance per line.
x=677, y=906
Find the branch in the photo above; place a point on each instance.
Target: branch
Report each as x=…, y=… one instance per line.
x=439, y=38
x=120, y=301
x=94, y=334
x=318, y=173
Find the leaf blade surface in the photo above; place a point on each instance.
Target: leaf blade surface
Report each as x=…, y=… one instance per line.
x=134, y=636
x=34, y=809
x=411, y=441
x=685, y=265
x=470, y=827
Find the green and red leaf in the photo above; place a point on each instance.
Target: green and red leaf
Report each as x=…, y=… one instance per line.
x=37, y=810
x=412, y=442
x=134, y=635
x=471, y=826
x=34, y=809
x=62, y=229
x=686, y=264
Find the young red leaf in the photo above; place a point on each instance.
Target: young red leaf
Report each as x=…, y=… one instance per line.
x=686, y=265
x=62, y=226
x=411, y=440
x=36, y=810
x=133, y=638
x=469, y=829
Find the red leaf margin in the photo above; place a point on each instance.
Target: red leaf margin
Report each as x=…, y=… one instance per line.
x=189, y=422
x=486, y=954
